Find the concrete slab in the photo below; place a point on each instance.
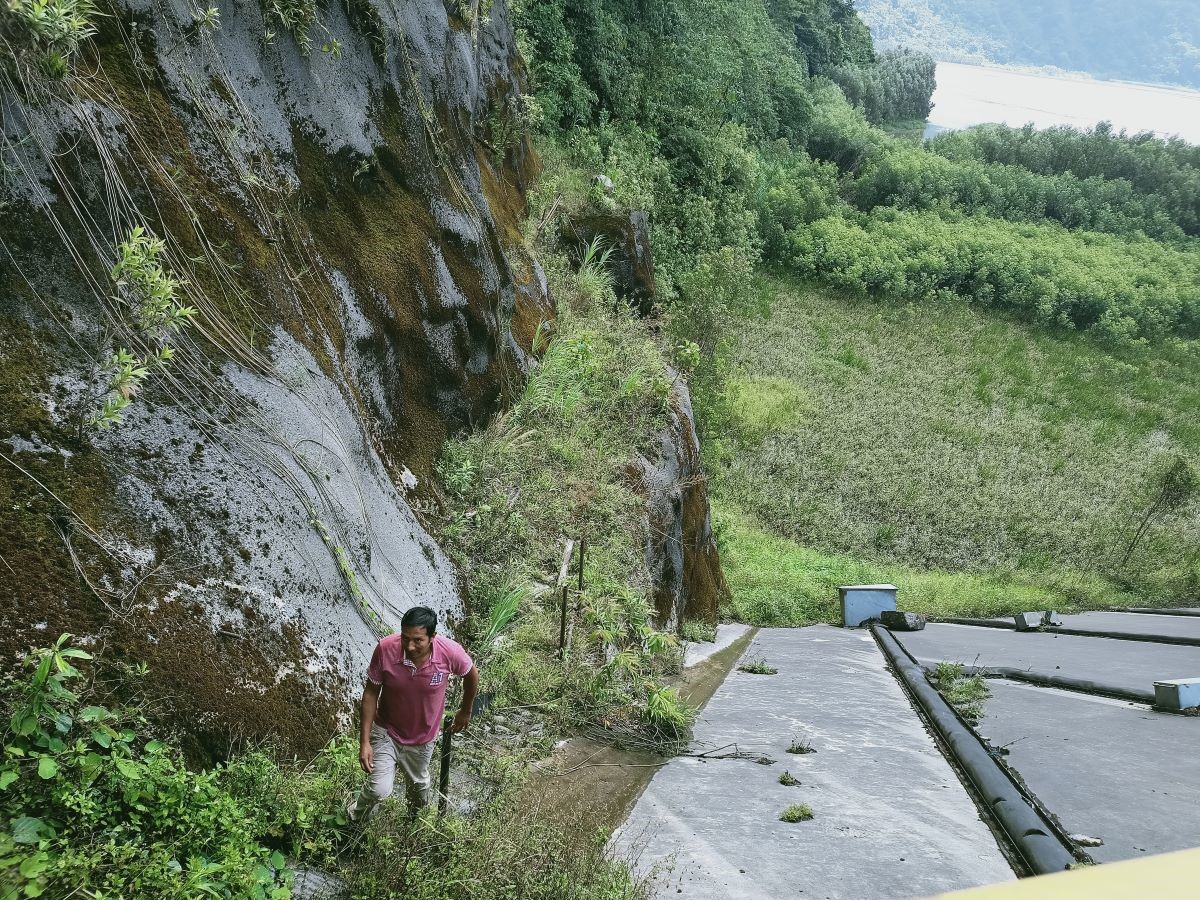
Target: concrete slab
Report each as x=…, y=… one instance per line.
x=1108, y=769
x=891, y=818
x=1130, y=664
x=1136, y=623
x=696, y=652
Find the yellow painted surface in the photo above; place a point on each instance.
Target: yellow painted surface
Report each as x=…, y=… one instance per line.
x=1169, y=876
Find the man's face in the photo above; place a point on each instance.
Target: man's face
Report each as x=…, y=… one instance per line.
x=417, y=642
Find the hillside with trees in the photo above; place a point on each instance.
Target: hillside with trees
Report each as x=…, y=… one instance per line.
x=443, y=284
x=1075, y=250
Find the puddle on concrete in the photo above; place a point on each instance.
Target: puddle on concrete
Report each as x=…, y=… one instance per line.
x=605, y=781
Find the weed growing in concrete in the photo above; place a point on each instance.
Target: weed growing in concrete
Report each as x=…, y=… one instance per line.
x=797, y=812
x=787, y=779
x=698, y=632
x=758, y=666
x=801, y=745
x=966, y=693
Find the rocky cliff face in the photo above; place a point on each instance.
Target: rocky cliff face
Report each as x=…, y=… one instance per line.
x=345, y=223
x=681, y=551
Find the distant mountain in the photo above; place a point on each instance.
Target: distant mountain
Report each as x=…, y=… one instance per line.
x=1148, y=40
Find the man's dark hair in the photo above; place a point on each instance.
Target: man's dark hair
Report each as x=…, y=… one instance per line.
x=420, y=617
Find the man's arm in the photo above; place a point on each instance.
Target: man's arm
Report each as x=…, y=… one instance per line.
x=470, y=688
x=370, y=706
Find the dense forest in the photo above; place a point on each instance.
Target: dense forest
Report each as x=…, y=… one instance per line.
x=1156, y=41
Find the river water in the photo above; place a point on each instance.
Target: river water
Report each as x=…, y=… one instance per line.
x=971, y=95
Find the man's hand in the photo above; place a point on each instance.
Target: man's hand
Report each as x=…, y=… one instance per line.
x=462, y=719
x=366, y=758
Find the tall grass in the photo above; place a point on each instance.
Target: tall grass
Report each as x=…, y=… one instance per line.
x=872, y=443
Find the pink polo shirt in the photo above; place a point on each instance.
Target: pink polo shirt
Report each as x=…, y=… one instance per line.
x=413, y=701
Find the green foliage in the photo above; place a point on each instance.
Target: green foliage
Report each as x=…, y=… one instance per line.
x=899, y=86
x=594, y=278
x=92, y=805
x=668, y=717
x=47, y=33
x=1124, y=290
x=800, y=746
x=298, y=17
x=787, y=779
x=508, y=848
x=913, y=178
x=150, y=310
x=966, y=693
x=555, y=467
x=797, y=812
x=497, y=608
x=698, y=632
x=1162, y=172
x=977, y=463
x=90, y=802
x=829, y=34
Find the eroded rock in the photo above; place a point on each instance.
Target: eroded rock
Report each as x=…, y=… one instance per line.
x=681, y=552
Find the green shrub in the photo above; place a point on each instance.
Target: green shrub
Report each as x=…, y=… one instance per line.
x=47, y=33
x=1123, y=290
x=758, y=666
x=91, y=801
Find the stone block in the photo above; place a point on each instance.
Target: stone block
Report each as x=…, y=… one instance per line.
x=863, y=602
x=1028, y=621
x=1177, y=694
x=902, y=621
x=1051, y=618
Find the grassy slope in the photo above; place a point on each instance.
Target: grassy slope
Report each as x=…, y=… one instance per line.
x=981, y=465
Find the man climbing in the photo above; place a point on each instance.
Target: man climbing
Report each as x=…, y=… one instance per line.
x=403, y=702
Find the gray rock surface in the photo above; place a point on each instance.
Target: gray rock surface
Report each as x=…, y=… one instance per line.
x=681, y=552
x=895, y=620
x=256, y=510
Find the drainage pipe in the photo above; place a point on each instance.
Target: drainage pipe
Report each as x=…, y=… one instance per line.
x=1182, y=640
x=1064, y=682
x=1125, y=636
x=1153, y=611
x=1036, y=839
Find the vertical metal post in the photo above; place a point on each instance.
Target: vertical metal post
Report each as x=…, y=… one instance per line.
x=444, y=776
x=562, y=625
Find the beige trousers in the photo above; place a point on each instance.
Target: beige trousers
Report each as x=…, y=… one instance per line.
x=411, y=760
